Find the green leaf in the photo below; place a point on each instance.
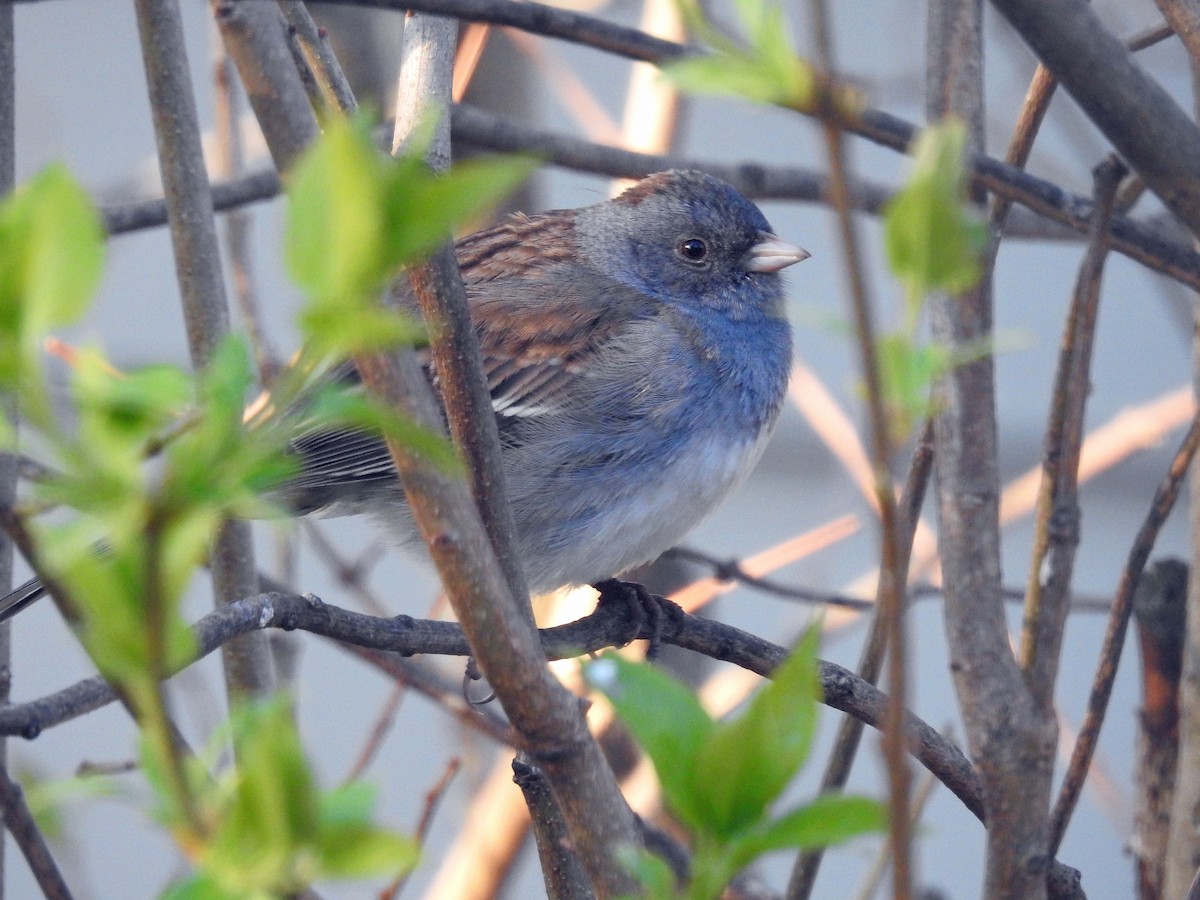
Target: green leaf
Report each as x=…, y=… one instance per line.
x=750, y=760
x=934, y=242
x=355, y=217
x=766, y=71
x=333, y=329
x=52, y=250
x=827, y=820
x=276, y=833
x=908, y=370
x=666, y=720
x=652, y=872
x=365, y=852
x=337, y=407
x=334, y=230
x=422, y=209
x=271, y=816
x=204, y=887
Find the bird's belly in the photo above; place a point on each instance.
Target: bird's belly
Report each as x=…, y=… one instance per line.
x=649, y=516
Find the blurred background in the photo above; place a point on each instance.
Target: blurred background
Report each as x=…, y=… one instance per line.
x=81, y=99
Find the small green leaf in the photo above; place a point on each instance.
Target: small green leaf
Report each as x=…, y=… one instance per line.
x=908, y=371
x=336, y=407
x=666, y=720
x=271, y=817
x=827, y=820
x=934, y=242
x=52, y=248
x=750, y=760
x=366, y=852
x=335, y=330
x=333, y=236
x=276, y=833
x=766, y=71
x=653, y=874
x=204, y=887
x=422, y=209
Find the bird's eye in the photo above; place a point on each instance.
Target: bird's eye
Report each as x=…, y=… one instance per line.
x=693, y=250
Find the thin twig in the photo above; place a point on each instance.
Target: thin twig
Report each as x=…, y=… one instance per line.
x=1114, y=636
x=846, y=743
x=230, y=164
x=1056, y=523
x=350, y=574
x=874, y=877
x=1037, y=102
x=890, y=567
x=383, y=724
x=319, y=57
x=21, y=825
x=433, y=798
x=1128, y=238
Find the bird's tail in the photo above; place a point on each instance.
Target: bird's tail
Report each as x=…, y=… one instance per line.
x=26, y=595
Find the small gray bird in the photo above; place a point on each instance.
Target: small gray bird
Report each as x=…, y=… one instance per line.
x=637, y=356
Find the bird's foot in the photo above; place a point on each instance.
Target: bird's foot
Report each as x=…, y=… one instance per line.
x=650, y=613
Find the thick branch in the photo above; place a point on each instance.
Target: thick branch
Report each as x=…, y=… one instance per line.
x=1011, y=740
x=255, y=36
x=1157, y=138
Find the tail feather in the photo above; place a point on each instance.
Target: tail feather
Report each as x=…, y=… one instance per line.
x=25, y=595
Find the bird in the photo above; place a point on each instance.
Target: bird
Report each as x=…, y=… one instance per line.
x=637, y=354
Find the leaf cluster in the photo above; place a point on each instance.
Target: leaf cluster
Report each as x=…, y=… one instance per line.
x=721, y=778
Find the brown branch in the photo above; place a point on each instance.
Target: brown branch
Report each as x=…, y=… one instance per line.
x=256, y=37
x=612, y=625
x=29, y=838
x=198, y=268
x=1147, y=127
x=849, y=735
x=1056, y=523
x=1114, y=636
x=890, y=588
x=470, y=535
x=1006, y=732
x=565, y=879
x=1159, y=610
x=318, y=56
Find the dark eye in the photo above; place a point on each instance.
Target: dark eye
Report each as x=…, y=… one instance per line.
x=693, y=249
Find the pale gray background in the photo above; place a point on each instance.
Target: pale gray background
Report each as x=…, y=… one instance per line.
x=81, y=99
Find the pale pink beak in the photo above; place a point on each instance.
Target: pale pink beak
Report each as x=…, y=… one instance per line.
x=772, y=253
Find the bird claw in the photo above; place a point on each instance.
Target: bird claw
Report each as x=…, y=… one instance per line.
x=651, y=614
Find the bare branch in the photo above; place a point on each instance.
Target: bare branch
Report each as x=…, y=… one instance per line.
x=849, y=735
x=256, y=36
x=1056, y=531
x=9, y=461
x=564, y=877
x=1147, y=127
x=198, y=266
x=1114, y=636
x=29, y=838
x=1159, y=609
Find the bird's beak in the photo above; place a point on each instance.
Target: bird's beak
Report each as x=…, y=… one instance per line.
x=772, y=253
